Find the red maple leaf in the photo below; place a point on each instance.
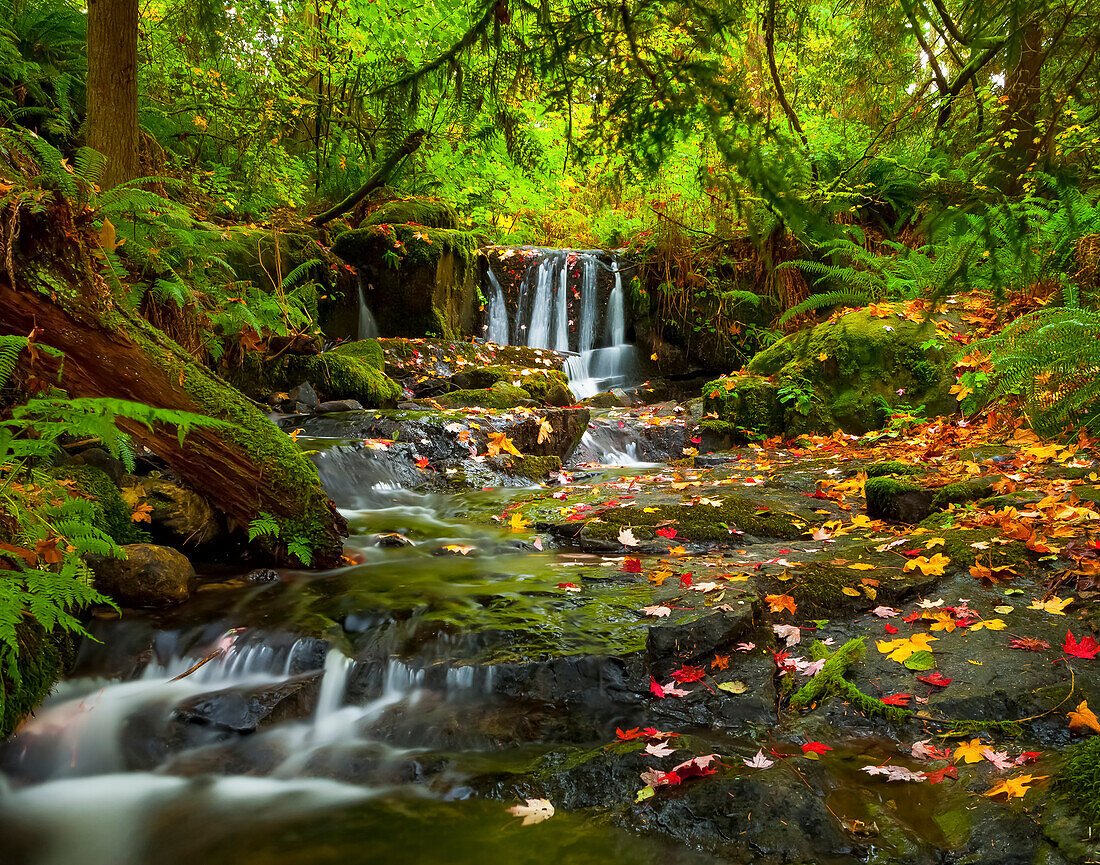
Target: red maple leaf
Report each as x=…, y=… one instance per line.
x=685, y=580
x=654, y=733
x=688, y=674
x=938, y=776
x=632, y=566
x=897, y=699
x=1028, y=757
x=936, y=678
x=815, y=747
x=667, y=533
x=890, y=629
x=423, y=463
x=1087, y=648
x=656, y=689
x=912, y=617
x=627, y=735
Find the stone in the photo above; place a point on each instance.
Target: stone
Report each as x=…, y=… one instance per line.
x=262, y=575
x=304, y=393
x=560, y=396
x=149, y=576
x=98, y=458
x=333, y=406
x=179, y=515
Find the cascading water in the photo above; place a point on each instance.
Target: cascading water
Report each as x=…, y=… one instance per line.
x=368, y=328
x=558, y=308
x=497, y=331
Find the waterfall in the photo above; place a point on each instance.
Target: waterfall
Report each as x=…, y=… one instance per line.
x=554, y=279
x=368, y=329
x=498, y=312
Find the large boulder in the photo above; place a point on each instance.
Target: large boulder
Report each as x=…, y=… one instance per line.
x=850, y=373
x=178, y=515
x=149, y=576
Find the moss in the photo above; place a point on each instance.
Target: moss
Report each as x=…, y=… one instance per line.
x=41, y=661
x=830, y=682
x=964, y=491
x=527, y=466
x=698, y=522
x=537, y=382
x=895, y=467
x=334, y=375
x=883, y=494
x=430, y=212
x=820, y=587
x=112, y=516
x=745, y=402
x=1079, y=780
x=498, y=396
x=367, y=351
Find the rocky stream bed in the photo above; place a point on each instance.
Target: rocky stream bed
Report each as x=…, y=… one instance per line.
x=646, y=634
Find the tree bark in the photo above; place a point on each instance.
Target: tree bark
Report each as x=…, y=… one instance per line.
x=379, y=177
x=112, y=87
x=1023, y=88
x=243, y=470
x=792, y=118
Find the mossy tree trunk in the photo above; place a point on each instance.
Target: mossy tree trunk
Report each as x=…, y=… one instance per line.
x=243, y=470
x=112, y=87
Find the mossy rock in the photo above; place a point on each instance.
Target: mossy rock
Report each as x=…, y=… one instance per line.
x=1079, y=780
x=532, y=468
x=263, y=255
x=847, y=373
x=894, y=467
x=750, y=403
x=41, y=662
x=698, y=522
x=367, y=351
x=971, y=490
x=897, y=501
x=333, y=375
x=112, y=516
x=498, y=396
x=430, y=212
x=539, y=383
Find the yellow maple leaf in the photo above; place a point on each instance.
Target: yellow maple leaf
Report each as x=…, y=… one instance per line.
x=934, y=542
x=899, y=650
x=928, y=566
x=545, y=430
x=1013, y=787
x=941, y=621
x=517, y=523
x=971, y=751
x=989, y=625
x=1055, y=605
x=961, y=391
x=498, y=442
x=850, y=592
x=861, y=566
x=1083, y=718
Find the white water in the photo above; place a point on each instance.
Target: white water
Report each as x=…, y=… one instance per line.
x=542, y=319
x=368, y=328
x=497, y=329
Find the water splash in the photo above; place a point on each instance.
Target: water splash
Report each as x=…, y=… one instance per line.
x=368, y=327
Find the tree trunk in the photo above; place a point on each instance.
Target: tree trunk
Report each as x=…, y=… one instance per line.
x=249, y=468
x=1023, y=88
x=112, y=87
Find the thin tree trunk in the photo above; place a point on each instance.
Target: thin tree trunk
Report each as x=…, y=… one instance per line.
x=769, y=44
x=112, y=87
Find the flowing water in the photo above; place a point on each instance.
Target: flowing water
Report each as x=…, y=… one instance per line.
x=368, y=328
x=558, y=307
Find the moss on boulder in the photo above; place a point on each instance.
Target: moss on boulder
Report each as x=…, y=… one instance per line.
x=334, y=375
x=894, y=467
x=42, y=660
x=895, y=500
x=698, y=522
x=500, y=395
x=430, y=212
x=847, y=373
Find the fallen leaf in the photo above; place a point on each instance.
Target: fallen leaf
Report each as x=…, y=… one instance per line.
x=626, y=537
x=1083, y=718
x=780, y=602
x=498, y=442
x=1013, y=787
x=1087, y=648
x=815, y=748
x=1055, y=605
x=928, y=566
x=545, y=431
x=657, y=611
x=970, y=752
x=759, y=761
x=734, y=687
x=659, y=749
x=899, y=650
x=535, y=811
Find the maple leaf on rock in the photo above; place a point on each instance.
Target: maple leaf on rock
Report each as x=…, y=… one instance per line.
x=498, y=442
x=937, y=776
x=626, y=537
x=1083, y=718
x=928, y=566
x=759, y=761
x=535, y=811
x=937, y=678
x=688, y=674
x=659, y=750
x=894, y=773
x=720, y=662
x=885, y=612
x=815, y=748
x=672, y=691
x=780, y=602
x=924, y=751
x=897, y=699
x=667, y=533
x=632, y=566
x=657, y=610
x=1028, y=644
x=790, y=634
x=696, y=767
x=1087, y=648
x=1056, y=606
x=1000, y=759
x=899, y=650
x=545, y=431
x=656, y=689
x=627, y=735
x=971, y=752
x=1013, y=787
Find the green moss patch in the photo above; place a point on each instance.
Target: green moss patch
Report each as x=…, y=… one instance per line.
x=699, y=522
x=112, y=516
x=430, y=212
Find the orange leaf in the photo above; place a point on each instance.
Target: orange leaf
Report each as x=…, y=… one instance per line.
x=1084, y=718
x=781, y=602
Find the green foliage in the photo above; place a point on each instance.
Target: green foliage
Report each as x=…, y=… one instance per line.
x=266, y=526
x=1051, y=358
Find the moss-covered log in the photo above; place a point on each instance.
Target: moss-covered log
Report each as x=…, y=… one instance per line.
x=248, y=468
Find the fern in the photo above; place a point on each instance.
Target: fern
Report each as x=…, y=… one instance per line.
x=831, y=298
x=1051, y=359
x=10, y=347
x=265, y=525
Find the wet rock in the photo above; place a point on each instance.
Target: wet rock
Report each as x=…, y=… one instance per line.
x=305, y=394
x=98, y=458
x=898, y=501
x=262, y=575
x=179, y=515
x=392, y=539
x=702, y=637
x=239, y=710
x=148, y=576
x=334, y=406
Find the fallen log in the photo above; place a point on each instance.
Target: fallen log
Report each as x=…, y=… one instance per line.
x=244, y=470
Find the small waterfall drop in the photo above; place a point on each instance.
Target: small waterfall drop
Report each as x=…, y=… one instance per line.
x=558, y=307
x=497, y=331
x=368, y=328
